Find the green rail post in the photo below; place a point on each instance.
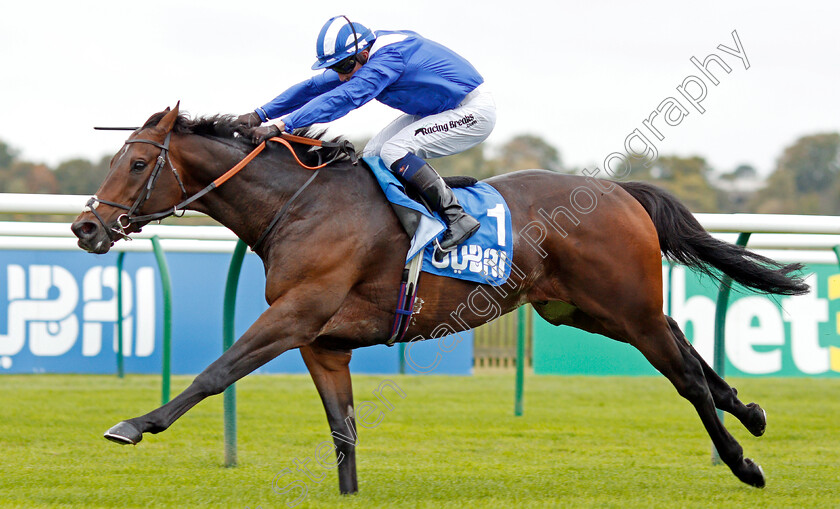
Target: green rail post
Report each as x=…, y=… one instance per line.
x=229, y=314
x=402, y=358
x=837, y=253
x=720, y=330
x=166, y=285
x=120, y=355
x=520, y=360
x=670, y=297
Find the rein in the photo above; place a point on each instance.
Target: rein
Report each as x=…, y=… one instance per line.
x=125, y=220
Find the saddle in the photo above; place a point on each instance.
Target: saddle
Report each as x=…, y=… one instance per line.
x=409, y=219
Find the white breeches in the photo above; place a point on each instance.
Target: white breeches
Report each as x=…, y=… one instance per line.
x=442, y=134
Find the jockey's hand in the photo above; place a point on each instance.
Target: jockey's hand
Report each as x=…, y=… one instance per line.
x=249, y=120
x=261, y=134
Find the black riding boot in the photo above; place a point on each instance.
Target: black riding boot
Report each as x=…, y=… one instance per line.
x=460, y=225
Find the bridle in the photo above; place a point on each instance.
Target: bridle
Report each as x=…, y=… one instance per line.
x=127, y=219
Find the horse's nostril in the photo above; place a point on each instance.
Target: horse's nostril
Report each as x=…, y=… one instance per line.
x=84, y=229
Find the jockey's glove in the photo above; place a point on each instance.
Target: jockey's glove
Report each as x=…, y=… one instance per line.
x=261, y=134
x=250, y=119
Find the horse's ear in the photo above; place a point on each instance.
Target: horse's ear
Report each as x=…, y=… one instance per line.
x=168, y=120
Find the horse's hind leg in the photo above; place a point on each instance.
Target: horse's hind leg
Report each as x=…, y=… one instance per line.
x=725, y=396
x=331, y=373
x=674, y=360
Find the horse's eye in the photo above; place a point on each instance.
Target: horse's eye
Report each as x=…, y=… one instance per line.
x=138, y=166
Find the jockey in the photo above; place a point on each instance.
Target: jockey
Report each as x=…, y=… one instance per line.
x=446, y=110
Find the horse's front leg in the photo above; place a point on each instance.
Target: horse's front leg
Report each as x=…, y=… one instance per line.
x=331, y=373
x=288, y=323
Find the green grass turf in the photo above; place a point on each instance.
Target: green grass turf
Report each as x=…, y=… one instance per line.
x=452, y=442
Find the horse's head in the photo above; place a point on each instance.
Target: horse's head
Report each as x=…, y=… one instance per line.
x=141, y=183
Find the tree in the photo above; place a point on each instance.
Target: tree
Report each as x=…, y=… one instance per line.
x=814, y=161
x=779, y=196
x=520, y=153
x=25, y=177
x=7, y=155
x=470, y=163
x=687, y=178
x=744, y=171
x=737, y=188
x=805, y=180
x=80, y=176
x=528, y=151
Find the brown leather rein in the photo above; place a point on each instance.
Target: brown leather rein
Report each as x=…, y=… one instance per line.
x=285, y=139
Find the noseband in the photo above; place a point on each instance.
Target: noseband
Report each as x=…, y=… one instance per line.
x=125, y=220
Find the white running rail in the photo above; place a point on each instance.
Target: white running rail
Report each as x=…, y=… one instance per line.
x=786, y=238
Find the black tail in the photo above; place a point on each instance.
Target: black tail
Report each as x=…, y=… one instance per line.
x=683, y=239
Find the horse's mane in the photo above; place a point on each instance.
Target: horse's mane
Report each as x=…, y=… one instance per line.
x=225, y=127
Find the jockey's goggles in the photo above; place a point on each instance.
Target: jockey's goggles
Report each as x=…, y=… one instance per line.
x=345, y=66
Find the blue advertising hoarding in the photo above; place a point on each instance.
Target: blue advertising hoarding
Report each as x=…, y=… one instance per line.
x=58, y=315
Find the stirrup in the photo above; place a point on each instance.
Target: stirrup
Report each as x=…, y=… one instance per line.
x=439, y=252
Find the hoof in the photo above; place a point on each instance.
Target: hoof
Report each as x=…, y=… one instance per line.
x=124, y=433
x=751, y=473
x=757, y=422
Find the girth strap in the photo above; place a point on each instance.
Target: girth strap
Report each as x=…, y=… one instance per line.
x=407, y=297
x=282, y=211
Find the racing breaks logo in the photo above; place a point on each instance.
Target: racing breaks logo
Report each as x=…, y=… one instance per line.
x=465, y=121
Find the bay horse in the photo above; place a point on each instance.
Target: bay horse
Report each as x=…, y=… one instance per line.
x=587, y=254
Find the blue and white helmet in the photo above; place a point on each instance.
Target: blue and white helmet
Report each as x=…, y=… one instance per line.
x=337, y=41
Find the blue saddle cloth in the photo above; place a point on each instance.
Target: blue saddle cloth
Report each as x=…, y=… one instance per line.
x=484, y=257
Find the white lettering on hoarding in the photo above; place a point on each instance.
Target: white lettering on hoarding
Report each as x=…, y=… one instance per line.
x=52, y=325
x=97, y=310
x=698, y=310
x=44, y=311
x=755, y=330
x=805, y=313
x=750, y=322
